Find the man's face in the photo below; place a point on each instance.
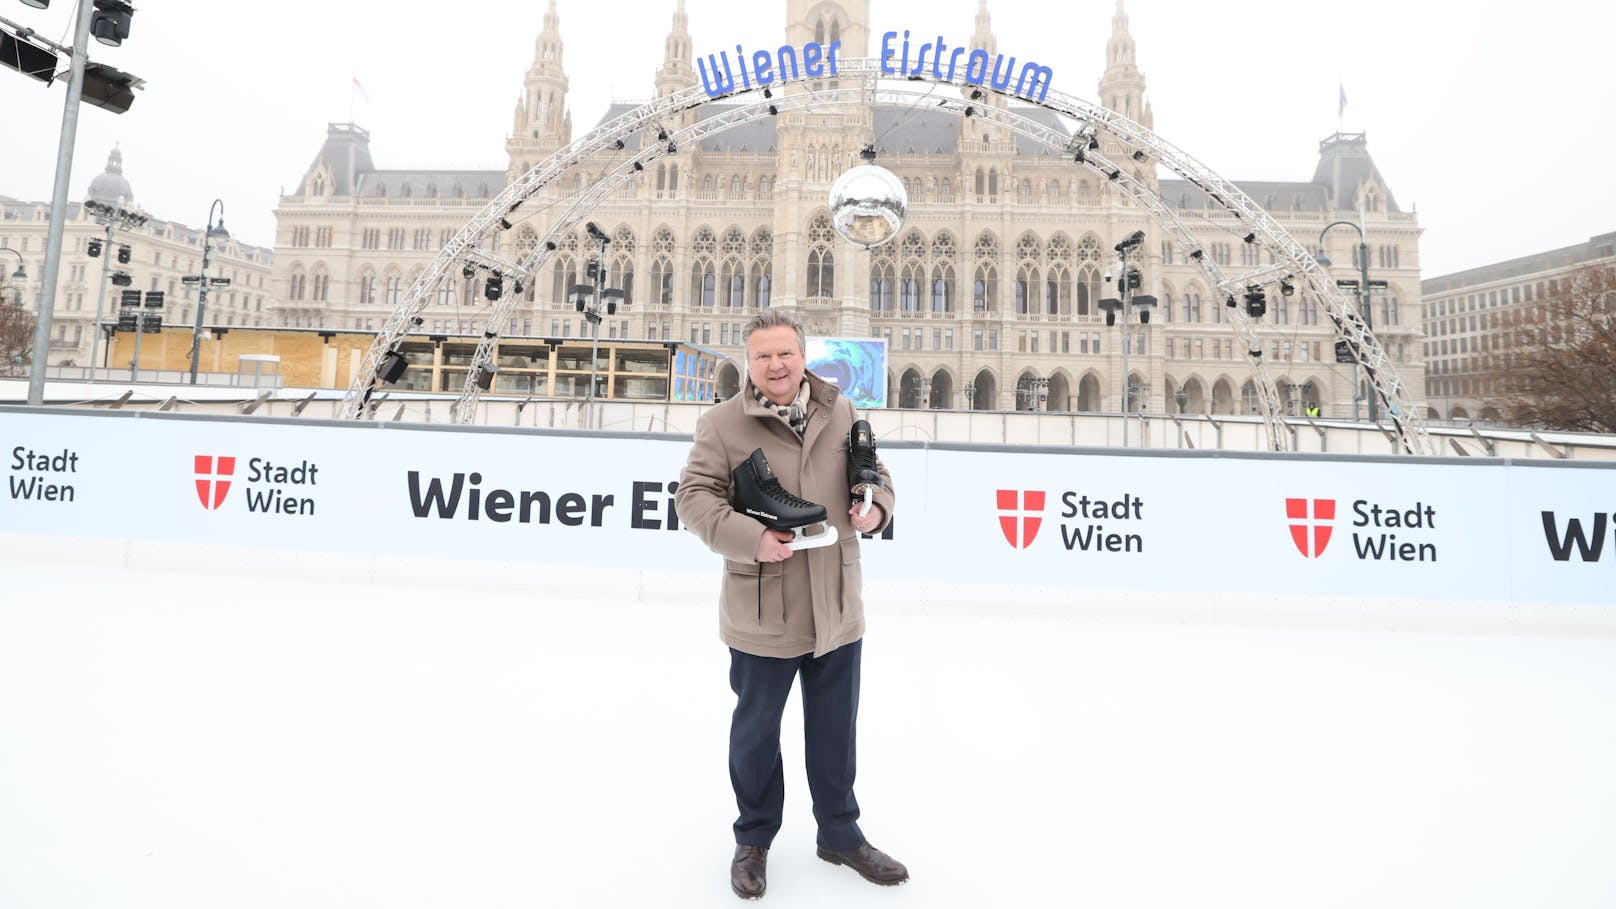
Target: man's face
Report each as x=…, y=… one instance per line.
x=774, y=363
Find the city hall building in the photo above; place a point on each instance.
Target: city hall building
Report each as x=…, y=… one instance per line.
x=987, y=299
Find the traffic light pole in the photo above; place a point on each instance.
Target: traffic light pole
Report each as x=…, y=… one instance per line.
x=58, y=208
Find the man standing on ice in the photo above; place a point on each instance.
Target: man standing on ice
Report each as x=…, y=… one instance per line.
x=786, y=612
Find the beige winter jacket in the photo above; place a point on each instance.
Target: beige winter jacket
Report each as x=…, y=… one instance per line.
x=812, y=601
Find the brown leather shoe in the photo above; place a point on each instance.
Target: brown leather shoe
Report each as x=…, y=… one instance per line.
x=871, y=863
x=747, y=872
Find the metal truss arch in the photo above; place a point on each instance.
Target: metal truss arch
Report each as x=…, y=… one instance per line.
x=860, y=82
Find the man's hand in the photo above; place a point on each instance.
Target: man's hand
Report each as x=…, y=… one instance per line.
x=771, y=547
x=868, y=523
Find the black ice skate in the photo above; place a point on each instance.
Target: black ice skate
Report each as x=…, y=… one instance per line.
x=758, y=493
x=863, y=476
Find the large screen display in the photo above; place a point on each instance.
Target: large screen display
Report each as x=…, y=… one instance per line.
x=858, y=366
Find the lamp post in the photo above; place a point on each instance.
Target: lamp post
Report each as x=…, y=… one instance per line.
x=589, y=300
x=214, y=233
x=21, y=274
x=1363, y=307
x=970, y=395
x=1182, y=396
x=109, y=216
x=1128, y=281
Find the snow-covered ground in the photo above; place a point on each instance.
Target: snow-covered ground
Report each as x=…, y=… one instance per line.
x=172, y=738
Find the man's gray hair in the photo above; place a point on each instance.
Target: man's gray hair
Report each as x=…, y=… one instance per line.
x=775, y=318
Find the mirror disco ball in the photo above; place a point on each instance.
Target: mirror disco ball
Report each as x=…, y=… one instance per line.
x=868, y=205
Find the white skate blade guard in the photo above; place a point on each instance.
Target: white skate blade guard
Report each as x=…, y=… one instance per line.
x=869, y=499
x=805, y=541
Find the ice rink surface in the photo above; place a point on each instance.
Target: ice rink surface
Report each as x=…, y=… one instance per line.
x=179, y=739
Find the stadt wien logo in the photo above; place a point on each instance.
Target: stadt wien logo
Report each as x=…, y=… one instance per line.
x=1311, y=523
x=1020, y=515
x=213, y=477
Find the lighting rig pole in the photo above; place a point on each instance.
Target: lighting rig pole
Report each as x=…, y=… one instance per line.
x=201, y=281
x=1362, y=285
x=589, y=300
x=111, y=217
x=111, y=90
x=1128, y=281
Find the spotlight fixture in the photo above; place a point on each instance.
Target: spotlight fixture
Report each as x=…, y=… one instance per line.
x=493, y=287
x=1231, y=303
x=1196, y=255
x=1286, y=287
x=504, y=223
x=638, y=166
x=1256, y=353
x=515, y=205
x=594, y=230
x=516, y=288
x=1251, y=237
x=468, y=270
x=1094, y=143
x=1256, y=302
x=767, y=93
x=661, y=134
x=93, y=249
x=1079, y=157
x=393, y=366
x=122, y=279
x=123, y=254
x=1110, y=306
x=550, y=245
x=673, y=149
x=774, y=111
x=1115, y=173
x=976, y=94
x=417, y=321
x=618, y=145
x=969, y=110
x=110, y=21
x=1139, y=154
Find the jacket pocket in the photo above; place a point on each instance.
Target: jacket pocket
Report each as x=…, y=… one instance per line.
x=852, y=577
x=754, y=597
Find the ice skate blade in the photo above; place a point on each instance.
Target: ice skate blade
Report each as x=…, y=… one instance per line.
x=804, y=541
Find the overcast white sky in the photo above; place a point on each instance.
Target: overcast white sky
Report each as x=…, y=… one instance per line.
x=1495, y=123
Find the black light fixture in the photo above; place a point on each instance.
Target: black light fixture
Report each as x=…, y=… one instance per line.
x=969, y=110
x=1143, y=303
x=1139, y=154
x=27, y=57
x=1094, y=143
x=1114, y=174
x=110, y=21
x=618, y=145
x=1251, y=237
x=550, y=245
x=504, y=223
x=1110, y=306
x=638, y=166
x=93, y=248
x=613, y=296
x=1286, y=287
x=1078, y=157
x=661, y=134
x=392, y=368
x=468, y=270
x=485, y=376
x=1231, y=302
x=774, y=111
x=673, y=149
x=1196, y=254
x=767, y=93
x=38, y=4
x=122, y=279
x=493, y=287
x=976, y=94
x=1256, y=302
x=516, y=289
x=123, y=254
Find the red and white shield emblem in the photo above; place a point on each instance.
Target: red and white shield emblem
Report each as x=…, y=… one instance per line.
x=1320, y=522
x=212, y=479
x=1020, y=515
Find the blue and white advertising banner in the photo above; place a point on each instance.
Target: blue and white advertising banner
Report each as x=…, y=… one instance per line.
x=1304, y=525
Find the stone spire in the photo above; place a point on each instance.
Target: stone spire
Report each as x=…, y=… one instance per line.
x=676, y=72
x=541, y=122
x=1122, y=88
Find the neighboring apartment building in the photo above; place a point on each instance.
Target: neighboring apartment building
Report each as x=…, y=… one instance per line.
x=1470, y=317
x=161, y=253
x=987, y=299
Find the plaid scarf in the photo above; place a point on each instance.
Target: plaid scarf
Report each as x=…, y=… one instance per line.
x=795, y=414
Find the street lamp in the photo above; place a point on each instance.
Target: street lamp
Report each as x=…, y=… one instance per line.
x=215, y=233
x=970, y=395
x=592, y=300
x=1182, y=396
x=1128, y=281
x=1363, y=285
x=21, y=274
x=109, y=216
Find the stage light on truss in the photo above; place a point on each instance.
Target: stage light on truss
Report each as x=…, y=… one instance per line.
x=1251, y=237
x=1286, y=287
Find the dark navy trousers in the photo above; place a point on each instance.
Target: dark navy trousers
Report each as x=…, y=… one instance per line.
x=830, y=692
